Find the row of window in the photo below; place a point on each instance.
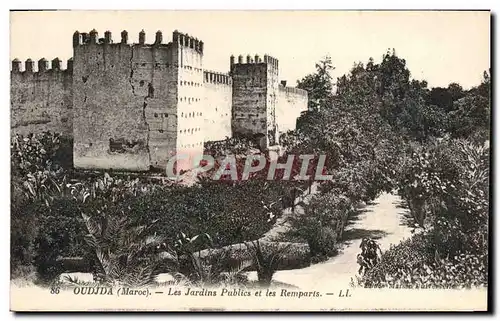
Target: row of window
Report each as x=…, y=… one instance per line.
x=249, y=115
x=190, y=130
x=192, y=145
x=192, y=68
x=186, y=115
x=190, y=83
x=189, y=99
x=193, y=114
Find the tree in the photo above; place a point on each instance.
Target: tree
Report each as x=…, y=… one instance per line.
x=319, y=85
x=471, y=114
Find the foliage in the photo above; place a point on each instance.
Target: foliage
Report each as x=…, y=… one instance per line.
x=229, y=215
x=126, y=252
x=319, y=85
x=233, y=145
x=381, y=131
x=267, y=262
x=322, y=223
x=197, y=271
x=417, y=263
x=36, y=164
x=451, y=180
x=446, y=186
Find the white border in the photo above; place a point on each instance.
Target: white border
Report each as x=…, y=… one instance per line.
x=187, y=5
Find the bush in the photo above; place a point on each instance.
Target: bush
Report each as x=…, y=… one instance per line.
x=228, y=214
x=37, y=164
x=322, y=223
x=419, y=262
x=49, y=227
x=446, y=185
x=60, y=234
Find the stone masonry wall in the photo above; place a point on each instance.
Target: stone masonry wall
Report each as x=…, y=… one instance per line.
x=41, y=100
x=124, y=103
x=291, y=103
x=190, y=100
x=272, y=98
x=249, y=108
x=133, y=106
x=217, y=106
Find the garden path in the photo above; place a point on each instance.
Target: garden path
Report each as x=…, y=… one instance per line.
x=382, y=220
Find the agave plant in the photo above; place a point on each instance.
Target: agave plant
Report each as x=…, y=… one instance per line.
x=126, y=253
x=208, y=270
x=236, y=275
x=266, y=261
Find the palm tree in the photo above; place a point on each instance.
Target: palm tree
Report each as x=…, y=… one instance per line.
x=127, y=254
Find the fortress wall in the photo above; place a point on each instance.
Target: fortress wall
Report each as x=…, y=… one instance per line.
x=272, y=97
x=190, y=98
x=127, y=125
x=291, y=103
x=249, y=103
x=133, y=106
x=41, y=100
x=217, y=106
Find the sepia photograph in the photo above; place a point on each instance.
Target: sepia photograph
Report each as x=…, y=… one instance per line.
x=299, y=160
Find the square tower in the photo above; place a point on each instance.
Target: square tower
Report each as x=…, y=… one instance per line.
x=255, y=92
x=135, y=104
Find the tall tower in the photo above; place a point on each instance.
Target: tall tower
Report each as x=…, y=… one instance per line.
x=255, y=91
x=190, y=97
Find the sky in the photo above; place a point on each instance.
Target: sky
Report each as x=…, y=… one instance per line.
x=439, y=46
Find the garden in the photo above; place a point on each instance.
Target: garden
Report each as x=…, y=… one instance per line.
x=428, y=145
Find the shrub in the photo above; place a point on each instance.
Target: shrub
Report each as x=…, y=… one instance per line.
x=446, y=186
x=322, y=223
x=419, y=263
x=266, y=262
x=229, y=215
x=127, y=253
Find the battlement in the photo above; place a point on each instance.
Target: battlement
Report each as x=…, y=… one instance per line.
x=186, y=40
x=178, y=38
x=142, y=90
x=43, y=66
x=217, y=77
x=293, y=90
x=254, y=60
x=269, y=61
x=83, y=38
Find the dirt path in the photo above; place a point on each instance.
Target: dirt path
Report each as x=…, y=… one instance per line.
x=381, y=220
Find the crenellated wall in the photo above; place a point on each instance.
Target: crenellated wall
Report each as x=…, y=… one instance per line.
x=136, y=123
x=272, y=98
x=217, y=105
x=41, y=100
x=190, y=95
x=255, y=94
x=291, y=103
x=132, y=106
